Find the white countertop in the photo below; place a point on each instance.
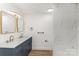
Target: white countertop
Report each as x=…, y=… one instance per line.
x=15, y=43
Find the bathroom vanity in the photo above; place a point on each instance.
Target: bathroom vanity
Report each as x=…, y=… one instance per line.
x=11, y=22
x=19, y=47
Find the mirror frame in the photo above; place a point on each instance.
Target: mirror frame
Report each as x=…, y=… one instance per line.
x=16, y=20
x=0, y=21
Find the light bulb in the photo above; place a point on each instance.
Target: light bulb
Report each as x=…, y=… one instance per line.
x=50, y=10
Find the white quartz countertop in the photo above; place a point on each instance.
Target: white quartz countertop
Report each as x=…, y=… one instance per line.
x=15, y=43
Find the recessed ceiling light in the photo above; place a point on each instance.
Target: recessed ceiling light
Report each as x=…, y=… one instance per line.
x=50, y=10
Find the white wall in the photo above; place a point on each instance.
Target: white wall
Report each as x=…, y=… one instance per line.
x=41, y=22
x=65, y=29
x=9, y=7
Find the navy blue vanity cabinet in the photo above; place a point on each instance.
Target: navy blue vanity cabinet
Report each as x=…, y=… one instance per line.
x=29, y=46
x=6, y=51
x=25, y=48
x=22, y=50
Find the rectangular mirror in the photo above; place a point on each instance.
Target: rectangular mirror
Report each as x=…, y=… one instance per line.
x=20, y=24
x=8, y=23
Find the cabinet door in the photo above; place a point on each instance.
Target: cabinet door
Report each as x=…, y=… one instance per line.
x=24, y=48
x=19, y=50
x=8, y=23
x=29, y=45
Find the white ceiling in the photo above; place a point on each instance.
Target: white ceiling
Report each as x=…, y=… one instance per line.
x=34, y=7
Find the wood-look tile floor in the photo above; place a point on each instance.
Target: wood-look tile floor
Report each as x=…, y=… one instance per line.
x=40, y=53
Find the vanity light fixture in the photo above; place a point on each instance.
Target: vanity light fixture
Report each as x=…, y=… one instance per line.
x=50, y=10
x=10, y=12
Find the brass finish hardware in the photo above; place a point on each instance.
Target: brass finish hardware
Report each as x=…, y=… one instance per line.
x=16, y=23
x=0, y=21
